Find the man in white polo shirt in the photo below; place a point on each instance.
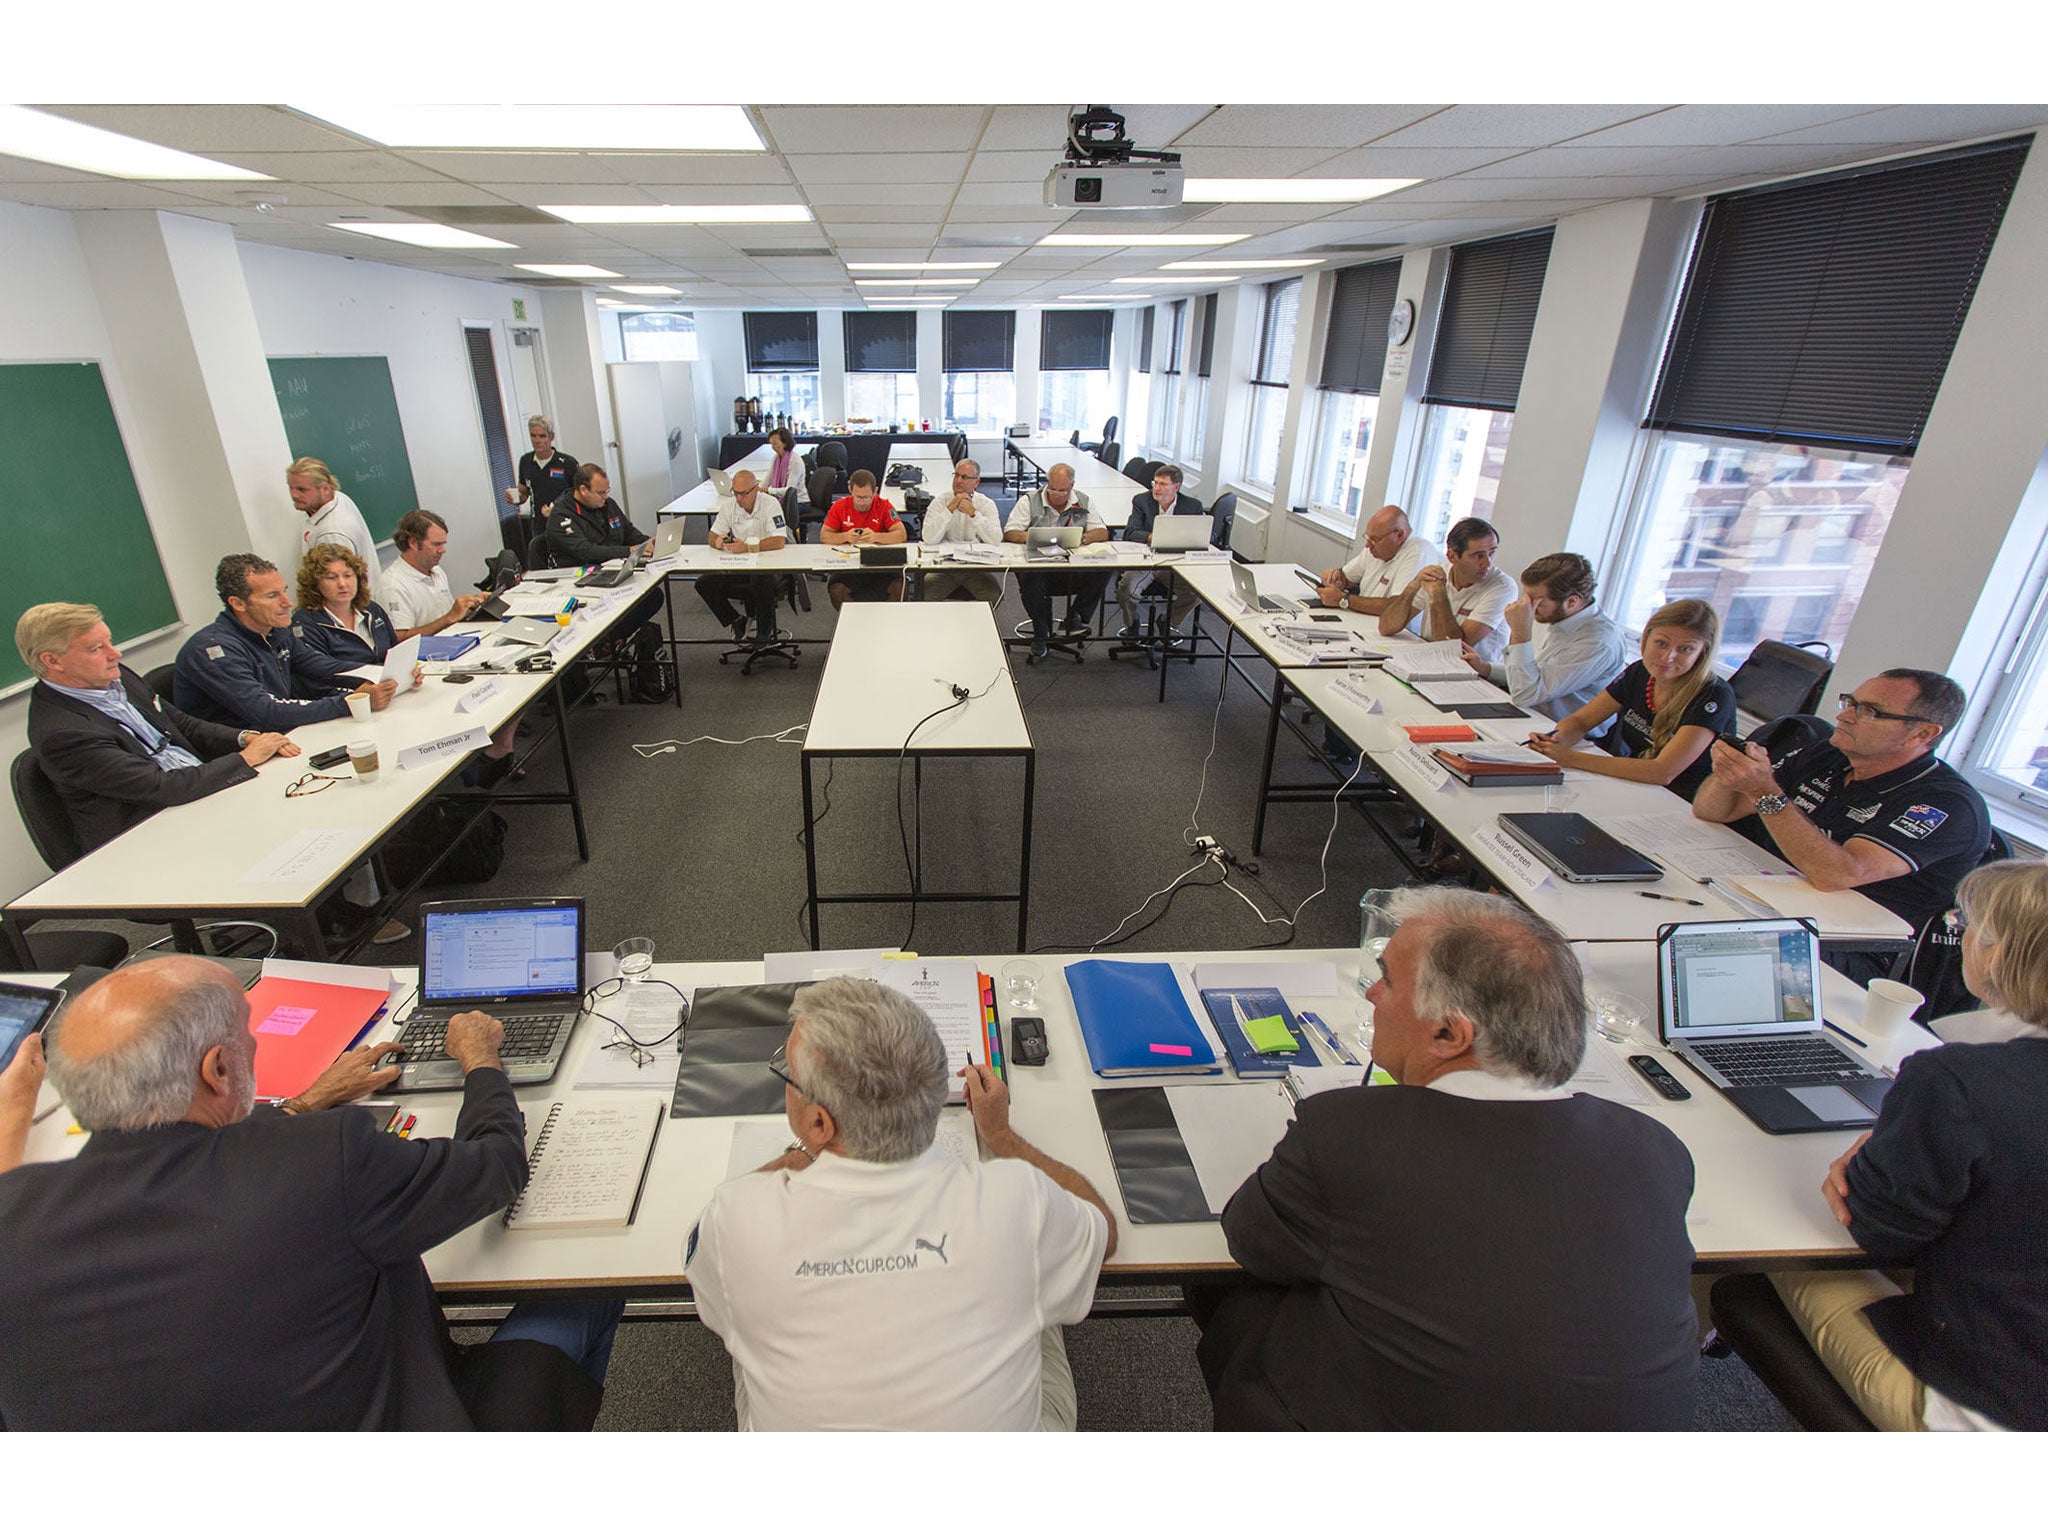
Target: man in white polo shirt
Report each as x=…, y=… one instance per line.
x=1463, y=599
x=1375, y=577
x=413, y=588
x=331, y=516
x=871, y=1279
x=750, y=521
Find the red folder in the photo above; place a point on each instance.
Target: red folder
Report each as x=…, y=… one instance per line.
x=301, y=1026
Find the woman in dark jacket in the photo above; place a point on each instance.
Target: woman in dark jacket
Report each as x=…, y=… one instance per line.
x=337, y=628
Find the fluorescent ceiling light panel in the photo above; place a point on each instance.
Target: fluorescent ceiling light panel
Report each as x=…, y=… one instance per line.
x=1120, y=298
x=1239, y=266
x=922, y=266
x=1291, y=189
x=31, y=135
x=435, y=237
x=915, y=282
x=565, y=269
x=681, y=213
x=1156, y=280
x=647, y=288
x=544, y=126
x=1137, y=240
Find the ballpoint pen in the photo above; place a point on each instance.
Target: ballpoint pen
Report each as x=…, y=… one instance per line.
x=1683, y=901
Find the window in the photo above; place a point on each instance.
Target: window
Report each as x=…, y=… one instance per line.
x=1195, y=420
x=1279, y=307
x=881, y=367
x=979, y=347
x=1166, y=407
x=1137, y=423
x=659, y=336
x=1475, y=376
x=2009, y=758
x=782, y=362
x=1348, y=389
x=1779, y=537
x=1073, y=360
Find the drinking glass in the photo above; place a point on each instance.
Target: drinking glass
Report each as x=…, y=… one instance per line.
x=635, y=958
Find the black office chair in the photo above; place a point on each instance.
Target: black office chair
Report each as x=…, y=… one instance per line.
x=1935, y=968
x=537, y=553
x=1134, y=466
x=1222, y=518
x=825, y=486
x=830, y=454
x=1780, y=679
x=159, y=680
x=1109, y=452
x=956, y=446
x=1750, y=1316
x=56, y=842
x=1096, y=447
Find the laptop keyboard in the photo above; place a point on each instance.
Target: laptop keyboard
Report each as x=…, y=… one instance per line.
x=1782, y=1063
x=528, y=1037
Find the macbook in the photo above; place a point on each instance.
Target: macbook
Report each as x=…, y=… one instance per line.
x=1248, y=589
x=1051, y=536
x=519, y=961
x=721, y=482
x=668, y=539
x=1175, y=535
x=1740, y=1003
x=1575, y=849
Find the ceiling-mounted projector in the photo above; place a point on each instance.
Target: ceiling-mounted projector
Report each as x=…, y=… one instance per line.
x=1100, y=170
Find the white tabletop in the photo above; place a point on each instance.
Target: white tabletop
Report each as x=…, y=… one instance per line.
x=1216, y=587
x=198, y=856
x=884, y=675
x=932, y=458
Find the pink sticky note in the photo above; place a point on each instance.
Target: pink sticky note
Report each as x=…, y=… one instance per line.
x=1173, y=1050
x=286, y=1020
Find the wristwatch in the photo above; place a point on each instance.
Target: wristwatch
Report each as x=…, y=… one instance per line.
x=1769, y=805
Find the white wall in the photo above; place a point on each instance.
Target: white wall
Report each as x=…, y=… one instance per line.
x=308, y=304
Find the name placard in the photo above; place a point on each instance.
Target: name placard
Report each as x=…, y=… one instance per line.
x=428, y=753
x=480, y=695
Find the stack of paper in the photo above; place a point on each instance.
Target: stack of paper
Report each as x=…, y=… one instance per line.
x=1431, y=659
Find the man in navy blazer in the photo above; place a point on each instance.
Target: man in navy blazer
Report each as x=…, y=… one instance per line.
x=116, y=752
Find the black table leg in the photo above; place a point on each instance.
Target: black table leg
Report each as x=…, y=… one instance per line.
x=810, y=850
x=569, y=769
x=1266, y=769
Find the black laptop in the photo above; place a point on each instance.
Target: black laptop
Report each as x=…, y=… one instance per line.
x=519, y=961
x=1576, y=849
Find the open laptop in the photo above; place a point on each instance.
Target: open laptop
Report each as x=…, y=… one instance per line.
x=1577, y=850
x=721, y=482
x=1175, y=535
x=1740, y=1003
x=668, y=539
x=614, y=575
x=1051, y=539
x=519, y=961
x=1247, y=585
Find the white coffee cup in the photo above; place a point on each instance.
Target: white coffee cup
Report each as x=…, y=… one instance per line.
x=359, y=707
x=362, y=757
x=1888, y=1004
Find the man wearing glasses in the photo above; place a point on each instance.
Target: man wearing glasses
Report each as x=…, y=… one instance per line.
x=964, y=517
x=872, y=1278
x=1378, y=574
x=1871, y=808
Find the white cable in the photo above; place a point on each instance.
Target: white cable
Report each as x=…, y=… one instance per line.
x=1336, y=810
x=786, y=736
x=1193, y=869
x=1193, y=828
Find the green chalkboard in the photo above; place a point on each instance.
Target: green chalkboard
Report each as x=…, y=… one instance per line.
x=341, y=411
x=73, y=524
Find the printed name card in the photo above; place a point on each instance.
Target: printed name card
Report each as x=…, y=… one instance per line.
x=427, y=753
x=480, y=695
x=1511, y=859
x=1422, y=762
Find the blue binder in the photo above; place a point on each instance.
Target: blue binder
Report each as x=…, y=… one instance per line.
x=445, y=647
x=1135, y=1021
x=1259, y=1003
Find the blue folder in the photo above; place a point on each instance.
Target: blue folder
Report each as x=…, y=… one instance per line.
x=445, y=647
x=1259, y=1003
x=1135, y=1020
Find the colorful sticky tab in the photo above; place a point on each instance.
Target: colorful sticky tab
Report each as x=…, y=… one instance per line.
x=1270, y=1036
x=1171, y=1050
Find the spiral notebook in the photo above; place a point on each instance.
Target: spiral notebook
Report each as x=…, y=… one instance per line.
x=588, y=1166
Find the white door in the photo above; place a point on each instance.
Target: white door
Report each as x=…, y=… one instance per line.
x=641, y=416
x=529, y=375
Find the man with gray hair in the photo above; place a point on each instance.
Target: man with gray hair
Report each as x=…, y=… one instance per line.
x=1473, y=1248
x=872, y=1277
x=963, y=516
x=207, y=1264
x=545, y=475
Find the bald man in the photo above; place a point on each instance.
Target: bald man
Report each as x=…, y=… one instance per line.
x=205, y=1263
x=750, y=521
x=1378, y=575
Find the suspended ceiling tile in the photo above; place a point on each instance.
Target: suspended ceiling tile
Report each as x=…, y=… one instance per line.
x=1572, y=160
x=533, y=194
x=870, y=235
x=762, y=192
x=485, y=166
x=355, y=165
x=105, y=193
x=689, y=170
x=883, y=195
x=407, y=194
x=1044, y=128
x=884, y=169
x=1014, y=194
x=1372, y=160
x=1530, y=127
x=1251, y=162
x=886, y=130
x=1920, y=125
x=1697, y=125
x=215, y=130
x=16, y=172
x=1020, y=165
x=1300, y=125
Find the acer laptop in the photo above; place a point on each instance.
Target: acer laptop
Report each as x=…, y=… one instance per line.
x=1248, y=588
x=1740, y=1003
x=1575, y=849
x=519, y=961
x=1176, y=535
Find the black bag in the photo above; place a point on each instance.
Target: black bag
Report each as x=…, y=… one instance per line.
x=476, y=856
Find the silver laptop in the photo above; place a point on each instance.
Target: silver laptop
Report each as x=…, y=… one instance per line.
x=721, y=482
x=1740, y=1002
x=668, y=539
x=1173, y=535
x=519, y=961
x=1248, y=588
x=1045, y=539
x=527, y=632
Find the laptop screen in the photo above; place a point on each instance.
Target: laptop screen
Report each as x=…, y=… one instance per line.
x=1751, y=978
x=502, y=952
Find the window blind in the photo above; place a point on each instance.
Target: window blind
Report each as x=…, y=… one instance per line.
x=980, y=340
x=880, y=343
x=1276, y=332
x=1145, y=340
x=1071, y=340
x=781, y=340
x=1824, y=311
x=1208, y=347
x=1176, y=333
x=1482, y=336
x=1355, y=346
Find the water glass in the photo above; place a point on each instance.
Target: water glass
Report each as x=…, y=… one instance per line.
x=1376, y=924
x=1020, y=984
x=1617, y=1015
x=635, y=958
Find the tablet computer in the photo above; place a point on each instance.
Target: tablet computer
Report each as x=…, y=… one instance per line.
x=23, y=1011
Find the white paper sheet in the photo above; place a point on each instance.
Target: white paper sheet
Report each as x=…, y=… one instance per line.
x=296, y=858
x=1294, y=978
x=949, y=992
x=400, y=660
x=646, y=1013
x=1605, y=1075
x=1229, y=1129
x=1693, y=847
x=1459, y=691
x=755, y=1143
x=817, y=964
x=1510, y=858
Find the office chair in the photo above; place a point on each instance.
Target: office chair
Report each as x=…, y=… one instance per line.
x=1109, y=453
x=1096, y=447
x=825, y=486
x=1222, y=518
x=1935, y=967
x=537, y=553
x=782, y=648
x=956, y=446
x=1750, y=1316
x=1780, y=679
x=159, y=679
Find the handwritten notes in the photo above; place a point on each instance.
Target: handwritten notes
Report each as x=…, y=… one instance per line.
x=305, y=855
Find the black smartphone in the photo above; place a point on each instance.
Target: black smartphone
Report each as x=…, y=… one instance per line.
x=23, y=1012
x=1659, y=1079
x=1735, y=741
x=1326, y=618
x=333, y=757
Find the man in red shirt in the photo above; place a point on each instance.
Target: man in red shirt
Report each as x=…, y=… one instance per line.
x=863, y=518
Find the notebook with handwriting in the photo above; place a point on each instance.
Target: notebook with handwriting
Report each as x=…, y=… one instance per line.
x=588, y=1166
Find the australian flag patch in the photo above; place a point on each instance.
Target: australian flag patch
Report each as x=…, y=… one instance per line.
x=1918, y=821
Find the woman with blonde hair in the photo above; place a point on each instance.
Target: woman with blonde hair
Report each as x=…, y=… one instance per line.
x=1670, y=707
x=1952, y=1183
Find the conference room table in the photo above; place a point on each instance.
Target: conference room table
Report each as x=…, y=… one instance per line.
x=1756, y=1201
x=253, y=851
x=1370, y=707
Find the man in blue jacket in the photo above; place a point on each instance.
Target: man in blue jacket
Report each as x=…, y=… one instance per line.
x=238, y=669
